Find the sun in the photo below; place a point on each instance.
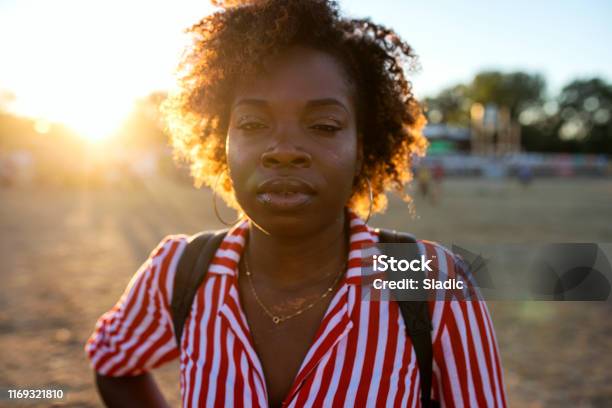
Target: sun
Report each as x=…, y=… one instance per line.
x=91, y=112
x=84, y=64
x=95, y=118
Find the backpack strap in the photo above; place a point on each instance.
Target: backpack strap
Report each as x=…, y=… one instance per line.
x=190, y=274
x=417, y=321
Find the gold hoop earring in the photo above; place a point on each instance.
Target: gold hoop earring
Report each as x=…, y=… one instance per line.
x=371, y=197
x=214, y=198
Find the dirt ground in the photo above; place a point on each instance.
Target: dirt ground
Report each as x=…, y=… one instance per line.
x=67, y=255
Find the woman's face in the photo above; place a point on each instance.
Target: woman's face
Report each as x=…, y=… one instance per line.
x=292, y=144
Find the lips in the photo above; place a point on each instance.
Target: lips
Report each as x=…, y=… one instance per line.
x=285, y=194
x=285, y=185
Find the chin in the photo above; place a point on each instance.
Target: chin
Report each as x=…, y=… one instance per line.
x=286, y=224
x=284, y=221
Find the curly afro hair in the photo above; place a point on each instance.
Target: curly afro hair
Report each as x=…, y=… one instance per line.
x=232, y=43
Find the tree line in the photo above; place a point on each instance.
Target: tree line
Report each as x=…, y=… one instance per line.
x=577, y=120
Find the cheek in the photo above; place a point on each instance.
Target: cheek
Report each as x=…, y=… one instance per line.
x=239, y=163
x=238, y=155
x=340, y=163
x=232, y=154
x=345, y=154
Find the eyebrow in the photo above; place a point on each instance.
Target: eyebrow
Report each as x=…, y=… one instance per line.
x=256, y=102
x=325, y=102
x=315, y=103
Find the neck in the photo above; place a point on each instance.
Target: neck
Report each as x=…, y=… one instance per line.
x=293, y=263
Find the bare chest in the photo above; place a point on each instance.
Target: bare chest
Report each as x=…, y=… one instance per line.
x=281, y=347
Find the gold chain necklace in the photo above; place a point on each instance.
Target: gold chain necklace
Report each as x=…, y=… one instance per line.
x=276, y=319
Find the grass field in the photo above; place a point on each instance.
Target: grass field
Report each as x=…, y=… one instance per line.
x=67, y=255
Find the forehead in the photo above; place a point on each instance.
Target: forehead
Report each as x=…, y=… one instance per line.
x=297, y=76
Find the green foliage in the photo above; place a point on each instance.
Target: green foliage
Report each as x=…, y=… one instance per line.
x=452, y=106
x=585, y=113
x=514, y=90
x=579, y=119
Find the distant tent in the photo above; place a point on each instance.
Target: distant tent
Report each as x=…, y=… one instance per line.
x=445, y=139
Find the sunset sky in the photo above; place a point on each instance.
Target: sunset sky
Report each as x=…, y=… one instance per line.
x=83, y=63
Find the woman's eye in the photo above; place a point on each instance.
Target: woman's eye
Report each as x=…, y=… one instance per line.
x=326, y=128
x=251, y=126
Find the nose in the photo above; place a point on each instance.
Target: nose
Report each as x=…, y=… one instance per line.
x=286, y=155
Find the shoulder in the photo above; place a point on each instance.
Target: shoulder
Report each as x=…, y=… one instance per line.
x=164, y=257
x=169, y=247
x=136, y=334
x=160, y=266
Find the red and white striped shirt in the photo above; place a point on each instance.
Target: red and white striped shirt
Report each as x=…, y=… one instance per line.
x=361, y=355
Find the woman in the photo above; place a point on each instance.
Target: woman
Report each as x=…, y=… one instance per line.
x=300, y=119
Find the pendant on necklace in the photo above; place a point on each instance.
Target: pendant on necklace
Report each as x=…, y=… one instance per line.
x=276, y=319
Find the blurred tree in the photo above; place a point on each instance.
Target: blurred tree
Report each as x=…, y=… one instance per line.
x=515, y=90
x=584, y=115
x=578, y=120
x=450, y=106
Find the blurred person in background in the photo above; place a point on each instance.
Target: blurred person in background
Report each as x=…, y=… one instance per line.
x=438, y=177
x=525, y=175
x=424, y=179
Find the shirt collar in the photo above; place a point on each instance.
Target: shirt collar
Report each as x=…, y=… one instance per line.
x=227, y=256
